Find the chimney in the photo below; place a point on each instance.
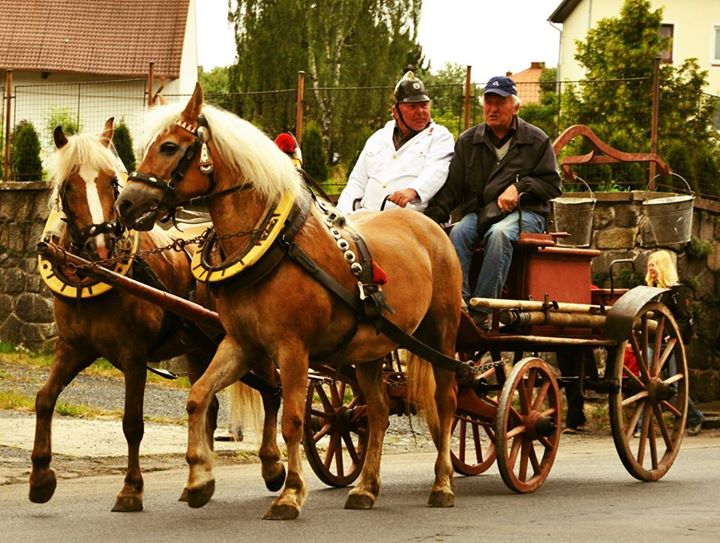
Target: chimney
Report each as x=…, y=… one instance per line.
x=536, y=65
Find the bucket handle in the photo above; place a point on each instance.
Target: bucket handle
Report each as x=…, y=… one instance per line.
x=592, y=194
x=690, y=190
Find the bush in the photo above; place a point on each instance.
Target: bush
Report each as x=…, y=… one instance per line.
x=122, y=140
x=61, y=117
x=25, y=153
x=314, y=160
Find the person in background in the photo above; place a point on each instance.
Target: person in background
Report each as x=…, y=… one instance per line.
x=493, y=164
x=662, y=273
x=404, y=163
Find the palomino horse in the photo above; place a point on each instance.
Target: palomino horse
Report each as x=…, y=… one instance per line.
x=94, y=320
x=287, y=316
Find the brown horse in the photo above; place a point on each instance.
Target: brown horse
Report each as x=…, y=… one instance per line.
x=94, y=320
x=287, y=316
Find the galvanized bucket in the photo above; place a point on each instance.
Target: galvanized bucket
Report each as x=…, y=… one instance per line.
x=670, y=217
x=575, y=216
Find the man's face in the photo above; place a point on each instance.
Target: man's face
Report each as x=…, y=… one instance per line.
x=499, y=111
x=415, y=114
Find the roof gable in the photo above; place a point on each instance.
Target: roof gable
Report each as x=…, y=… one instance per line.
x=102, y=37
x=563, y=11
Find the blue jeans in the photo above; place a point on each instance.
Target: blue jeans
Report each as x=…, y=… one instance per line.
x=499, y=244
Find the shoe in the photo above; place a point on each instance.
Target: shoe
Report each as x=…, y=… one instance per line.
x=572, y=430
x=694, y=430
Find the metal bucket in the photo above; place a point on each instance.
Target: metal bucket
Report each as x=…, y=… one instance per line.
x=670, y=217
x=574, y=216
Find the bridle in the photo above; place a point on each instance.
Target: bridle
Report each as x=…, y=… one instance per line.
x=79, y=236
x=169, y=200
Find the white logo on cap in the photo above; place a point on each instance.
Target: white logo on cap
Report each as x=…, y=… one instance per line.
x=416, y=86
x=496, y=84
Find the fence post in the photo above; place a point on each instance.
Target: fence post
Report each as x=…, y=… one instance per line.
x=654, y=121
x=299, y=106
x=8, y=111
x=150, y=81
x=468, y=70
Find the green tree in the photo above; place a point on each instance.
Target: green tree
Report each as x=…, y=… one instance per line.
x=216, y=86
x=122, y=140
x=616, y=99
x=544, y=114
x=446, y=88
x=368, y=44
x=25, y=153
x=61, y=117
x=314, y=158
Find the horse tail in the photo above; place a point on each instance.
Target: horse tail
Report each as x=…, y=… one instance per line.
x=421, y=388
x=245, y=408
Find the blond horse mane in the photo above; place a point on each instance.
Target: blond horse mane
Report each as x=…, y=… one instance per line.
x=81, y=150
x=246, y=150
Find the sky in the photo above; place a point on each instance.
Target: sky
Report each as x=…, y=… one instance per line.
x=492, y=36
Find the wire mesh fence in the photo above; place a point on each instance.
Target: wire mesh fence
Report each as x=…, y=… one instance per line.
x=344, y=117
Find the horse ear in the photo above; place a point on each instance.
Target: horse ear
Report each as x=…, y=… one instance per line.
x=107, y=134
x=59, y=137
x=194, y=105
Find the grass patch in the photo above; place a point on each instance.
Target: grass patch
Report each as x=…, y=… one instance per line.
x=15, y=401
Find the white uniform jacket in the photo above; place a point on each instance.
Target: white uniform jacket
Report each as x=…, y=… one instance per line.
x=421, y=164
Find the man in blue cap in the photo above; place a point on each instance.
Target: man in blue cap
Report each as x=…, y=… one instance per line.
x=493, y=164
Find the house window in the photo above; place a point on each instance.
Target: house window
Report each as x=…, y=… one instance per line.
x=716, y=36
x=666, y=31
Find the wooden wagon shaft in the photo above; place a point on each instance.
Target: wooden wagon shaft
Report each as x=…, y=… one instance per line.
x=533, y=305
x=175, y=304
x=555, y=318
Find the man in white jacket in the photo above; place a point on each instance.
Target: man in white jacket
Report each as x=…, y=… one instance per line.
x=404, y=163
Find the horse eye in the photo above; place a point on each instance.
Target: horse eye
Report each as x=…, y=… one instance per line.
x=168, y=148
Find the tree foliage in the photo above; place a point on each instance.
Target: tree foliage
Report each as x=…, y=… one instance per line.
x=616, y=99
x=544, y=114
x=25, y=153
x=122, y=140
x=314, y=159
x=340, y=45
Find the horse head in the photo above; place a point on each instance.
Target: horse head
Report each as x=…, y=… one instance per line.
x=200, y=153
x=85, y=187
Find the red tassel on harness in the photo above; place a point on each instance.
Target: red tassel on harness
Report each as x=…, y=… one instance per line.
x=286, y=143
x=379, y=275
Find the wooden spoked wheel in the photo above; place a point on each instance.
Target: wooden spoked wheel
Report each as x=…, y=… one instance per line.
x=648, y=409
x=473, y=433
x=527, y=427
x=336, y=431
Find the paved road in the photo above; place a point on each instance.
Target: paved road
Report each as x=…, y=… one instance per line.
x=588, y=497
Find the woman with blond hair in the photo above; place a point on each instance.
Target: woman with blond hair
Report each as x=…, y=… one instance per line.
x=662, y=273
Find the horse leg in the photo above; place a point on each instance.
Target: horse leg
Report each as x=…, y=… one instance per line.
x=130, y=497
x=197, y=364
x=369, y=376
x=67, y=363
x=446, y=401
x=273, y=470
x=227, y=366
x=294, y=377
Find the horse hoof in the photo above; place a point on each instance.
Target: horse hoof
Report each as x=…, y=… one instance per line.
x=276, y=483
x=184, y=496
x=441, y=499
x=282, y=512
x=359, y=501
x=127, y=504
x=43, y=492
x=197, y=497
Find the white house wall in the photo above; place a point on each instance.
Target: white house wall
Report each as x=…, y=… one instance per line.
x=693, y=20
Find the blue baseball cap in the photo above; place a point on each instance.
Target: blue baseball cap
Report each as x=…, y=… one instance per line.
x=504, y=86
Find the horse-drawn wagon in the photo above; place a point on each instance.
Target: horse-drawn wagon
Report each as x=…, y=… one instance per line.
x=286, y=272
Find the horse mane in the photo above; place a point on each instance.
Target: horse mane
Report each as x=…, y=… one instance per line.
x=81, y=150
x=244, y=148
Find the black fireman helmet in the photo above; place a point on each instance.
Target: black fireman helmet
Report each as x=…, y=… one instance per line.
x=410, y=89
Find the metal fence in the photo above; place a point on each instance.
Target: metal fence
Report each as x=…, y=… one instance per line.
x=356, y=113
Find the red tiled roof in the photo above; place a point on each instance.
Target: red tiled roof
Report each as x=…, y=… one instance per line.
x=100, y=37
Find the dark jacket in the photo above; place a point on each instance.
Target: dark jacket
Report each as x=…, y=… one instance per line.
x=476, y=178
x=677, y=300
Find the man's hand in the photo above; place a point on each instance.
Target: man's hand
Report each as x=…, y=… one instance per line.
x=508, y=200
x=403, y=197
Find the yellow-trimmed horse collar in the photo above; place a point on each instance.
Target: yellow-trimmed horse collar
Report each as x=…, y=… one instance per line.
x=270, y=225
x=65, y=283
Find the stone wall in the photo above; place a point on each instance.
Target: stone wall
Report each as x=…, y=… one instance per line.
x=26, y=316
x=620, y=230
